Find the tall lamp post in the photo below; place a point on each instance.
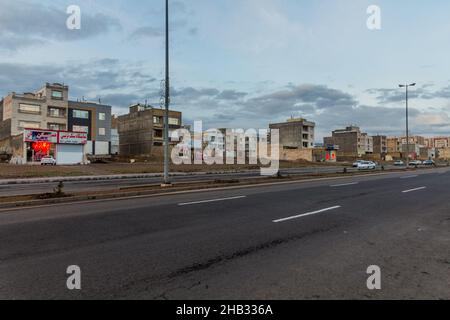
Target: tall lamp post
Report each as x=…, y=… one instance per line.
x=406, y=86
x=167, y=103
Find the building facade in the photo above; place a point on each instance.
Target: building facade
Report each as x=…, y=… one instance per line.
x=419, y=140
x=115, y=141
x=142, y=129
x=393, y=145
x=43, y=109
x=296, y=133
x=95, y=120
x=48, y=113
x=351, y=142
x=438, y=142
x=380, y=145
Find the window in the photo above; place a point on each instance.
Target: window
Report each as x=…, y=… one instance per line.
x=56, y=112
x=81, y=114
x=80, y=129
x=102, y=131
x=56, y=126
x=158, y=133
x=157, y=120
x=174, y=121
x=57, y=95
x=30, y=125
x=29, y=108
x=102, y=116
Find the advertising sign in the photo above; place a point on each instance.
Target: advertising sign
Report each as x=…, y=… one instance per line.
x=72, y=138
x=31, y=135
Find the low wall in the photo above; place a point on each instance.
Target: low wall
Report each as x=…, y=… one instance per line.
x=296, y=154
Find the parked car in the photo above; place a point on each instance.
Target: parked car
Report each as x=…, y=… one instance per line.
x=356, y=163
x=48, y=160
x=415, y=163
x=367, y=165
x=429, y=163
x=399, y=163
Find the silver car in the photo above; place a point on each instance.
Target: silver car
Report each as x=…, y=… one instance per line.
x=48, y=160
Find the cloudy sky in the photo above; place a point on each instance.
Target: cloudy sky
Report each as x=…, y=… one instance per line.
x=242, y=63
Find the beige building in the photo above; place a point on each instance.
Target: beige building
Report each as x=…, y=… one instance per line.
x=393, y=145
x=141, y=131
x=43, y=109
x=419, y=140
x=295, y=133
x=438, y=142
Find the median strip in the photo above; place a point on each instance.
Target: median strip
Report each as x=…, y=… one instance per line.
x=212, y=200
x=306, y=214
x=412, y=190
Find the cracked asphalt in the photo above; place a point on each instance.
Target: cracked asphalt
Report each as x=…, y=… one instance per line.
x=228, y=245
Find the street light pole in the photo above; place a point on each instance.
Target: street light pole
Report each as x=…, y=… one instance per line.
x=407, y=120
x=167, y=103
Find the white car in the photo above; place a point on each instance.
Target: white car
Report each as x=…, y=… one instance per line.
x=48, y=160
x=356, y=163
x=399, y=163
x=367, y=165
x=415, y=163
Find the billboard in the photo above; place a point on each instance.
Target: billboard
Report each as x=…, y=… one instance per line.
x=34, y=135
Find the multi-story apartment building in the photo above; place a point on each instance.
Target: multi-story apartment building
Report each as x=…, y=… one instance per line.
x=367, y=143
x=48, y=111
x=296, y=133
x=419, y=140
x=95, y=120
x=380, y=145
x=34, y=125
x=393, y=145
x=43, y=109
x=142, y=129
x=438, y=142
x=351, y=142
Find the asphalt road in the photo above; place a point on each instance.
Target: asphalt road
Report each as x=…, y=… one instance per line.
x=310, y=240
x=116, y=184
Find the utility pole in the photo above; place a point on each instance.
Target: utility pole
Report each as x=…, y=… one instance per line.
x=407, y=120
x=167, y=104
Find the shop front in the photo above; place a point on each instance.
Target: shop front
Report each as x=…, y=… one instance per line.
x=67, y=148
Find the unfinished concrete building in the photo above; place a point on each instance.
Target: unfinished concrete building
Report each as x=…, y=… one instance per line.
x=141, y=131
x=295, y=133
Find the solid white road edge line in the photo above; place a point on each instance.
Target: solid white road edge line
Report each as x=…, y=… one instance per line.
x=409, y=177
x=306, y=214
x=344, y=184
x=212, y=200
x=412, y=190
